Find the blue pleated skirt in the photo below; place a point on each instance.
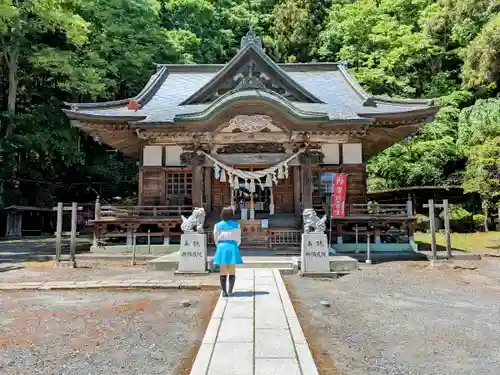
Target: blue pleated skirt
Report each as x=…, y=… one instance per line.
x=227, y=252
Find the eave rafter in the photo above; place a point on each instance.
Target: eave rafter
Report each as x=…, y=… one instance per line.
x=380, y=138
x=117, y=136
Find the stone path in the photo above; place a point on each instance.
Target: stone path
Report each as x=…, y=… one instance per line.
x=255, y=332
x=143, y=283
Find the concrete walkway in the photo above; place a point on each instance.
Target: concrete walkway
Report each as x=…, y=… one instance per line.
x=255, y=332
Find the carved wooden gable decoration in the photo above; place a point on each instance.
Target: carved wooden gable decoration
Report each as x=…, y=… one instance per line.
x=255, y=128
x=251, y=69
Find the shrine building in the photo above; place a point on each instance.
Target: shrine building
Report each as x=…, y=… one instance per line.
x=264, y=137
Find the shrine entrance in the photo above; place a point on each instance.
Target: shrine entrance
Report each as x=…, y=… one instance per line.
x=260, y=200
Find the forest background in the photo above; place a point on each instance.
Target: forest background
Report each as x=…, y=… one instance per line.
x=62, y=50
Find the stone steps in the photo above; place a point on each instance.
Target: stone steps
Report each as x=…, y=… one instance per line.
x=338, y=263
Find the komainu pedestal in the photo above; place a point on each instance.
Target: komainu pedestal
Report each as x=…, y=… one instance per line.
x=193, y=251
x=314, y=255
x=193, y=254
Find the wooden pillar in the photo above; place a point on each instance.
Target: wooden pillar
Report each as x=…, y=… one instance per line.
x=307, y=188
x=378, y=239
x=498, y=225
x=340, y=234
x=485, y=212
x=447, y=232
x=296, y=190
x=16, y=223
x=271, y=201
x=131, y=229
x=97, y=216
x=233, y=204
x=8, y=224
x=432, y=222
x=141, y=187
x=307, y=160
x=197, y=162
x=72, y=245
x=166, y=232
x=208, y=188
x=59, y=226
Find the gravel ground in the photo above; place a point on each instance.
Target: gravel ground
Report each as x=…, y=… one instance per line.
x=101, y=333
x=44, y=271
x=404, y=318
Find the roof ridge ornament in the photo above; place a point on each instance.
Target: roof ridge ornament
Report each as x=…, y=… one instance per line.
x=251, y=38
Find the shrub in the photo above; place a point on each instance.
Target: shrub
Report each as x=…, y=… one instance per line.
x=457, y=213
x=478, y=219
x=422, y=223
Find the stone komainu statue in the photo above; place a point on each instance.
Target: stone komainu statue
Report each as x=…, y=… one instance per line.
x=194, y=223
x=311, y=220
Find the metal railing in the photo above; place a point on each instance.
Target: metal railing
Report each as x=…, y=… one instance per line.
x=115, y=211
x=290, y=237
x=377, y=210
x=370, y=209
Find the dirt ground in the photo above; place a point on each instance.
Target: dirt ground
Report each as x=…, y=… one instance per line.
x=90, y=270
x=404, y=318
x=102, y=332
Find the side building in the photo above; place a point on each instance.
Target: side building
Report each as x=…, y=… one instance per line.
x=264, y=137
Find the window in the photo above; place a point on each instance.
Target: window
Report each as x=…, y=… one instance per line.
x=323, y=183
x=179, y=183
x=322, y=190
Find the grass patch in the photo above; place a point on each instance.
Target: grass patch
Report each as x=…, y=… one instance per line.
x=479, y=242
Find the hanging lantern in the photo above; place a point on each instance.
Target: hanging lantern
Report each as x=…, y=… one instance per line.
x=223, y=176
x=236, y=183
x=285, y=170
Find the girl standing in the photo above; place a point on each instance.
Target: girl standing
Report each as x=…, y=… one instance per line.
x=227, y=237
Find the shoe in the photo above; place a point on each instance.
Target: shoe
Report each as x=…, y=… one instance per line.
x=223, y=280
x=232, y=279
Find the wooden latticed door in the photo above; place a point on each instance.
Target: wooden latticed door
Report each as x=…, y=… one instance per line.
x=283, y=196
x=221, y=195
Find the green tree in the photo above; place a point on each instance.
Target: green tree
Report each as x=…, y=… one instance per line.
x=22, y=24
x=430, y=157
x=482, y=174
x=385, y=45
x=482, y=61
x=479, y=140
x=218, y=25
x=295, y=27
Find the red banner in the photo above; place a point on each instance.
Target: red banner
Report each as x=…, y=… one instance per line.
x=339, y=194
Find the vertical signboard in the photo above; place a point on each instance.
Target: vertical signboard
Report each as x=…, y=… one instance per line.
x=339, y=195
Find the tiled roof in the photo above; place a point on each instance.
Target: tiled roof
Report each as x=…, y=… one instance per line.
x=161, y=99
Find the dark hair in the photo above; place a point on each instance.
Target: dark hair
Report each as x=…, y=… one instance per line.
x=227, y=213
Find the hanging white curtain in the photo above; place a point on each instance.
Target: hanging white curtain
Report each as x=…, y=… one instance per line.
x=271, y=175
